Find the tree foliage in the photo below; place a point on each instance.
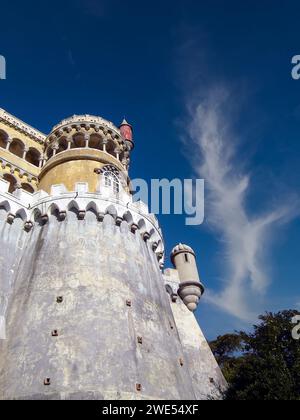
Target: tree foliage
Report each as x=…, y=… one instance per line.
x=263, y=364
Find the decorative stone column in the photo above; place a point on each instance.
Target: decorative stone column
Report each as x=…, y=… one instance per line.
x=24, y=152
x=55, y=148
x=117, y=152
x=44, y=159
x=104, y=143
x=9, y=140
x=69, y=140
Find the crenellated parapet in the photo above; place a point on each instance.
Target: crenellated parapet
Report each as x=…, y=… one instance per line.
x=38, y=208
x=81, y=281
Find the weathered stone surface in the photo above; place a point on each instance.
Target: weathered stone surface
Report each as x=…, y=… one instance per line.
x=85, y=311
x=96, y=268
x=206, y=376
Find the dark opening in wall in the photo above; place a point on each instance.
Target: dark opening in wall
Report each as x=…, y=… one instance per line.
x=12, y=182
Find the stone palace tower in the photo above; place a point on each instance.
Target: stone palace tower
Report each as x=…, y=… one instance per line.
x=86, y=311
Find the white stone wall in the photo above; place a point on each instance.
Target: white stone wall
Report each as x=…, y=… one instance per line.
x=207, y=378
x=118, y=329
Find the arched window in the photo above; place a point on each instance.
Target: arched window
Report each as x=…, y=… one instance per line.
x=3, y=139
x=27, y=187
x=49, y=152
x=12, y=182
x=95, y=142
x=62, y=145
x=33, y=156
x=111, y=181
x=78, y=141
x=17, y=147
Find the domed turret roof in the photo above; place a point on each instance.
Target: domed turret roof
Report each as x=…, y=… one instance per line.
x=180, y=248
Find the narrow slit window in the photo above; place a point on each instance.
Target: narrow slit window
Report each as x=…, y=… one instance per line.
x=186, y=257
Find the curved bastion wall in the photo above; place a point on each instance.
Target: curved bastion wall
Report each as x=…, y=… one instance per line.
x=115, y=328
x=85, y=309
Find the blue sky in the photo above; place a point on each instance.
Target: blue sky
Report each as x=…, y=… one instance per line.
x=170, y=67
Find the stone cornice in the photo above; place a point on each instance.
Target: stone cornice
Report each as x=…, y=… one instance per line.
x=19, y=125
x=88, y=119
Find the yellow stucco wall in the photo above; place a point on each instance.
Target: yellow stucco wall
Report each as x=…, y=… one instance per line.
x=75, y=165
x=23, y=171
x=67, y=167
x=21, y=163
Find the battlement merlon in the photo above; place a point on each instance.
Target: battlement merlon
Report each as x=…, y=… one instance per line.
x=39, y=206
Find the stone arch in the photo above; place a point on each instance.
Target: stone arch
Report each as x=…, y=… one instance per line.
x=112, y=211
x=37, y=215
x=54, y=212
x=110, y=168
x=95, y=142
x=78, y=141
x=92, y=206
x=17, y=147
x=22, y=214
x=142, y=225
x=5, y=205
x=152, y=232
x=33, y=156
x=73, y=205
x=91, y=212
x=62, y=145
x=111, y=146
x=128, y=217
x=49, y=152
x=53, y=209
x=27, y=187
x=3, y=139
x=12, y=182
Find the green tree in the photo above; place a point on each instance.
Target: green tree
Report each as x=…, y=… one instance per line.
x=263, y=364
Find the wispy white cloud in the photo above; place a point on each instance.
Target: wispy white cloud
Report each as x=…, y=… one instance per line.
x=246, y=238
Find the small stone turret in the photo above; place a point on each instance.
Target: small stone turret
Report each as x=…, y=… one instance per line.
x=127, y=134
x=190, y=288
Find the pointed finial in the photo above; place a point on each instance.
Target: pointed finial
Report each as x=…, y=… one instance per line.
x=124, y=122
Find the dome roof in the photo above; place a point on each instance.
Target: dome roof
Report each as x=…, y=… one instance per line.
x=180, y=248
